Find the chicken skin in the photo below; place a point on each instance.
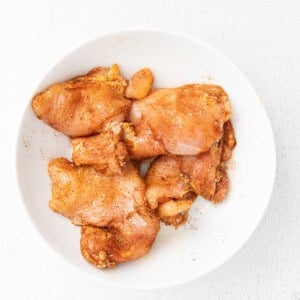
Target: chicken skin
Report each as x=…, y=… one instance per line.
x=186, y=120
x=104, y=151
x=118, y=225
x=83, y=105
x=174, y=181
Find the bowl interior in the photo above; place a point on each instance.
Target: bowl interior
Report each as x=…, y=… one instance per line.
x=214, y=232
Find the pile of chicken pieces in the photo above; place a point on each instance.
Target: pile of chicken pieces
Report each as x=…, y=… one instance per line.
x=114, y=125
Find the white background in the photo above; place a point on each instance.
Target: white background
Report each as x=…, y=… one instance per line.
x=261, y=37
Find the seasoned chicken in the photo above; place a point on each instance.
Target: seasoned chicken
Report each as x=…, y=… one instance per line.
x=104, y=151
x=114, y=125
x=173, y=181
x=114, y=203
x=83, y=105
x=125, y=240
x=140, y=142
x=175, y=212
x=228, y=141
x=140, y=84
x=186, y=120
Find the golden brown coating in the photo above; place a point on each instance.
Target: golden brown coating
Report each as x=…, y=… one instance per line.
x=83, y=105
x=140, y=84
x=186, y=120
x=104, y=151
x=173, y=182
x=114, y=202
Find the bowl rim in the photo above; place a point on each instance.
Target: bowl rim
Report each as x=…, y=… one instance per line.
x=155, y=31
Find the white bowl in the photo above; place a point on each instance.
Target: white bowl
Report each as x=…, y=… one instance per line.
x=214, y=232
